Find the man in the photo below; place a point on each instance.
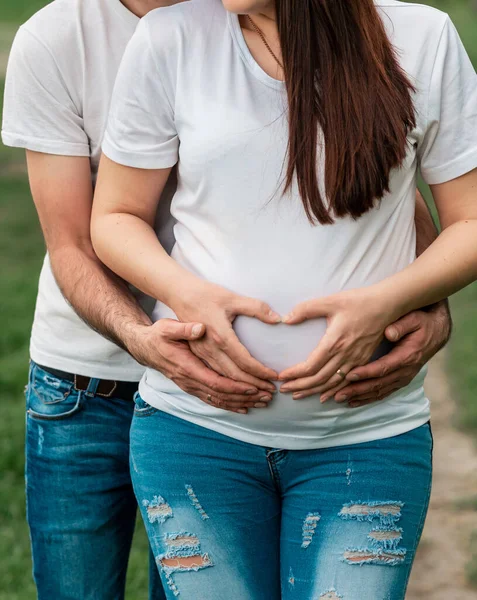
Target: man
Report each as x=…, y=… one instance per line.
x=90, y=335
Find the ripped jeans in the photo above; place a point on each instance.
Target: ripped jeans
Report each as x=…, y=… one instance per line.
x=229, y=520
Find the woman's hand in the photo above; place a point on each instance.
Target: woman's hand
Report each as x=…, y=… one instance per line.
x=356, y=321
x=417, y=337
x=220, y=348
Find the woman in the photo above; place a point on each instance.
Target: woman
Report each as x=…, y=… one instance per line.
x=247, y=98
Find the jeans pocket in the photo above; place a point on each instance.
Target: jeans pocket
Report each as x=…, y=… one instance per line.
x=50, y=398
x=142, y=408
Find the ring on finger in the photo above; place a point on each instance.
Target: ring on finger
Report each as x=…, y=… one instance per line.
x=341, y=374
x=209, y=398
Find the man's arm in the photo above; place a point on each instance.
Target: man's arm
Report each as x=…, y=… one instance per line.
x=63, y=195
x=62, y=191
x=426, y=233
x=418, y=337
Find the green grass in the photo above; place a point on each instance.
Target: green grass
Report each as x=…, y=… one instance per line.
x=21, y=255
x=17, y=11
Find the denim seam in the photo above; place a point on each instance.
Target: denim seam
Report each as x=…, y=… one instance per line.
x=145, y=412
x=422, y=518
x=60, y=417
x=274, y=470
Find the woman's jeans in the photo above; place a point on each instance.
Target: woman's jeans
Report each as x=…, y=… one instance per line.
x=235, y=521
x=81, y=507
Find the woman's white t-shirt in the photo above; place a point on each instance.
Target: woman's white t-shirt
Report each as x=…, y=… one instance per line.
x=189, y=91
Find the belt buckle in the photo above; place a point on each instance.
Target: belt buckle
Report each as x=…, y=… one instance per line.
x=111, y=391
x=82, y=384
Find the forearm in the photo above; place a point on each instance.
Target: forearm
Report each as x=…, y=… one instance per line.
x=448, y=265
x=98, y=296
x=140, y=258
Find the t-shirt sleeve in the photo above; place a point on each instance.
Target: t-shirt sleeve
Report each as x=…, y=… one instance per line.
x=141, y=131
x=449, y=145
x=39, y=113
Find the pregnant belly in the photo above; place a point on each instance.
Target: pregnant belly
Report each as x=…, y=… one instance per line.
x=279, y=346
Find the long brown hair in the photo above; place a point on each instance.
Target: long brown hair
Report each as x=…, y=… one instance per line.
x=343, y=79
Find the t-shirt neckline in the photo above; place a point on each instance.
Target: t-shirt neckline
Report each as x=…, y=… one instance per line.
x=251, y=63
x=125, y=13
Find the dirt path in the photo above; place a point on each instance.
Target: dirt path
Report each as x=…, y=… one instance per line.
x=439, y=571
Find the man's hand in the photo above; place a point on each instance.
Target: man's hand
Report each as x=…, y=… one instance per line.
x=418, y=337
x=164, y=346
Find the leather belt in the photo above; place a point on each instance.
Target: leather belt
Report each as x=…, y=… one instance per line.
x=125, y=390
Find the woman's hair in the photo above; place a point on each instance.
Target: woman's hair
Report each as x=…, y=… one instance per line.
x=343, y=78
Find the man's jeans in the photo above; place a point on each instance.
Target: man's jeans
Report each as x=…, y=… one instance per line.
x=235, y=521
x=80, y=503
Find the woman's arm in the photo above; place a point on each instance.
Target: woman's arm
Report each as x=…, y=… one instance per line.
x=416, y=338
x=122, y=231
x=358, y=318
x=450, y=263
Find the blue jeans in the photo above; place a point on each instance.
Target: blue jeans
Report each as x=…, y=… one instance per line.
x=81, y=507
x=227, y=519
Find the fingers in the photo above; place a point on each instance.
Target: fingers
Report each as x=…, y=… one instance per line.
x=230, y=405
x=365, y=400
x=257, y=309
x=175, y=330
x=378, y=368
x=207, y=399
x=324, y=380
x=311, y=309
x=191, y=381
x=407, y=324
x=407, y=353
x=239, y=355
x=318, y=390
x=222, y=364
x=316, y=361
x=375, y=389
x=216, y=384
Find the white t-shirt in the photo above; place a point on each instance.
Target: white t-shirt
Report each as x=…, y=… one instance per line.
x=60, y=77
x=189, y=90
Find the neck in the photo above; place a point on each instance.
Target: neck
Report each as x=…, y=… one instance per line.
x=266, y=20
x=266, y=14
x=142, y=7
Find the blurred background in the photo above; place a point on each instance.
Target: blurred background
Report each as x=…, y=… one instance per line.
x=446, y=567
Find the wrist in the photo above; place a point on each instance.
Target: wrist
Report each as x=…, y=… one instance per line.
x=136, y=341
x=390, y=307
x=440, y=311
x=184, y=292
x=192, y=294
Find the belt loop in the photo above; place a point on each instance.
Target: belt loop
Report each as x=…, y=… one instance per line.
x=92, y=387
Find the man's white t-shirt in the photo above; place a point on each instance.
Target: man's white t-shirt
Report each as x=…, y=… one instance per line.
x=59, y=82
x=189, y=91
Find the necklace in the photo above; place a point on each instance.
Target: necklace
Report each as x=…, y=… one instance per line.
x=264, y=40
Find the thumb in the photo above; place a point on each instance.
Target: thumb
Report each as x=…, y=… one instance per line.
x=175, y=330
x=310, y=309
x=407, y=324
